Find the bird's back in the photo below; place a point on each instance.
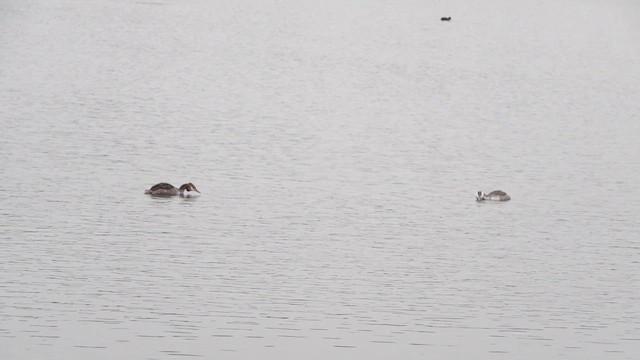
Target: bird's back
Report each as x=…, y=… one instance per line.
x=161, y=186
x=162, y=189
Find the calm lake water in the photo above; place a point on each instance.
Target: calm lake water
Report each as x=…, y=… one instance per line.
x=338, y=146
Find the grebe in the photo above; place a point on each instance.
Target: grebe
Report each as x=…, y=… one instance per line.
x=164, y=189
x=497, y=195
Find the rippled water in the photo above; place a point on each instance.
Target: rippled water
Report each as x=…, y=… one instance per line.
x=338, y=146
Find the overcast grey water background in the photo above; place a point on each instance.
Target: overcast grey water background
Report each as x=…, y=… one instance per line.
x=338, y=146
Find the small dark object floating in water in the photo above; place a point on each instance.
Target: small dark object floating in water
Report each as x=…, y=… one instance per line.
x=445, y=18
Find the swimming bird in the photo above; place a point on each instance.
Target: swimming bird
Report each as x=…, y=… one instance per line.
x=497, y=195
x=445, y=18
x=164, y=189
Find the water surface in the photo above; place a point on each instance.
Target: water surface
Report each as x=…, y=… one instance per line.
x=338, y=146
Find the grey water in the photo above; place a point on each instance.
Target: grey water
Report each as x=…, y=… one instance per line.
x=337, y=146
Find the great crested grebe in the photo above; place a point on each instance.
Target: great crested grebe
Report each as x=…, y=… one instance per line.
x=497, y=195
x=164, y=189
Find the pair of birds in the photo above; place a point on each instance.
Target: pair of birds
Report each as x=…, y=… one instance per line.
x=165, y=189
